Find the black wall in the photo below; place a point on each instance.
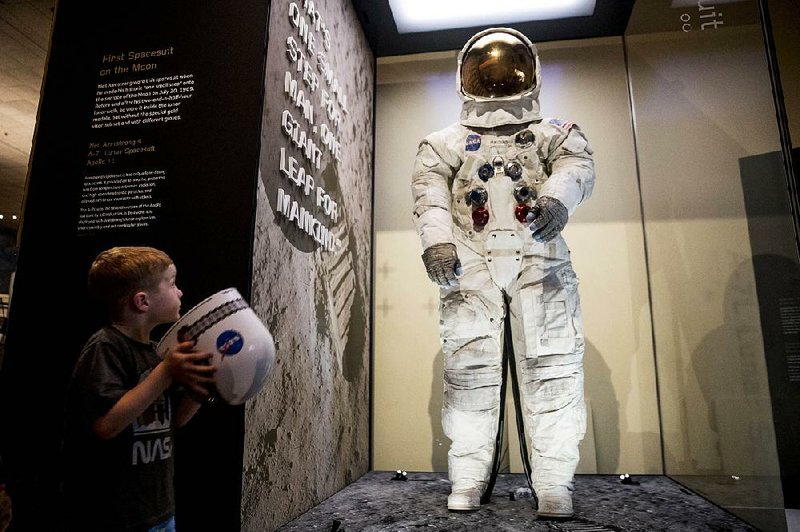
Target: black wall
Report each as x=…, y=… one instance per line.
x=777, y=271
x=195, y=179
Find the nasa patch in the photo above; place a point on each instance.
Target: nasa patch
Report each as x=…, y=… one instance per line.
x=229, y=342
x=473, y=143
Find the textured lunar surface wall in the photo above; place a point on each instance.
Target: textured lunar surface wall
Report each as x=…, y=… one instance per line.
x=307, y=431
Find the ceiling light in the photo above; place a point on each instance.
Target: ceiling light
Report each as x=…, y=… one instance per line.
x=426, y=15
x=687, y=3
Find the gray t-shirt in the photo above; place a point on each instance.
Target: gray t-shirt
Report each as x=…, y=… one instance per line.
x=125, y=483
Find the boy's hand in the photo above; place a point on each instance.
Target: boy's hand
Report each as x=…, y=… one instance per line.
x=191, y=368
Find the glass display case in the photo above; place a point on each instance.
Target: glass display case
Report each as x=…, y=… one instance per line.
x=721, y=249
x=687, y=255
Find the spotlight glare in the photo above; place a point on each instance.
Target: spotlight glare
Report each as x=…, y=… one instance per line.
x=422, y=15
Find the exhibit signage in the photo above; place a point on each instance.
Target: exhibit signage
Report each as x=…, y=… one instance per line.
x=313, y=114
x=147, y=134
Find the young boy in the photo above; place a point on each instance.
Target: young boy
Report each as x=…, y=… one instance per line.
x=124, y=402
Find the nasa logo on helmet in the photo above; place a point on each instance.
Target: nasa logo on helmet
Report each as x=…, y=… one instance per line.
x=229, y=343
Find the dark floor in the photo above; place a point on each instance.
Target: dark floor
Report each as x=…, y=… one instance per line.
x=602, y=503
x=757, y=500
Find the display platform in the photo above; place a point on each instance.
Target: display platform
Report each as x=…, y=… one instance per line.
x=375, y=502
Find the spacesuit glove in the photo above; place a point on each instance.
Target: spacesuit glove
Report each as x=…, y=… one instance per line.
x=442, y=264
x=547, y=218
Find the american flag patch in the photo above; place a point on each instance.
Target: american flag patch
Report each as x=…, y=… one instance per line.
x=565, y=124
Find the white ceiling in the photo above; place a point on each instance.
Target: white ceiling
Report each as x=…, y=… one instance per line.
x=24, y=39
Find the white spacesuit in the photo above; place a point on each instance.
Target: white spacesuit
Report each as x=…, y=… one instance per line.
x=491, y=196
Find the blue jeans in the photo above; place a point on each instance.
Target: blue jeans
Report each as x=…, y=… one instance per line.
x=164, y=526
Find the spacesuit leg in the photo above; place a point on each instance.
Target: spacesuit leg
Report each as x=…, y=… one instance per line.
x=472, y=314
x=549, y=345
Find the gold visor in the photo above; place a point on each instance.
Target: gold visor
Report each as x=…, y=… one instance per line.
x=497, y=65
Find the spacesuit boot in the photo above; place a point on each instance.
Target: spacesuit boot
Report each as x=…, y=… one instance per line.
x=554, y=503
x=464, y=499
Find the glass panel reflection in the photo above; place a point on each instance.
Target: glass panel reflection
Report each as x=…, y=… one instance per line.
x=719, y=236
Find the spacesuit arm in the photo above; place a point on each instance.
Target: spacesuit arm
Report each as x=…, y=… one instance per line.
x=571, y=169
x=430, y=186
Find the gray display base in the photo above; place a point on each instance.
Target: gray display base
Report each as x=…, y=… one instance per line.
x=602, y=503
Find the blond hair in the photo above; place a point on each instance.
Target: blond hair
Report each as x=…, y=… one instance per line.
x=119, y=272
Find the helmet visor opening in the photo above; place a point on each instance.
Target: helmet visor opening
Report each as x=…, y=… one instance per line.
x=498, y=65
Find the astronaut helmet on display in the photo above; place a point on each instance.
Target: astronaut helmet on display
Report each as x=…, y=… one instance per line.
x=499, y=78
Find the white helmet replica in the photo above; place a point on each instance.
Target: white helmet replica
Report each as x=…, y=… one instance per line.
x=243, y=349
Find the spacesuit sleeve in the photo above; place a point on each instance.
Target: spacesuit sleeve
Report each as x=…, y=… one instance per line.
x=571, y=169
x=430, y=186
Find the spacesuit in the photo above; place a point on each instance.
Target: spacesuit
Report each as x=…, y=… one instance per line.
x=491, y=196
